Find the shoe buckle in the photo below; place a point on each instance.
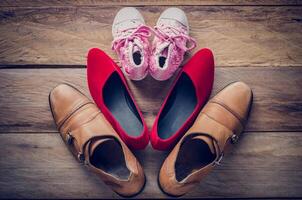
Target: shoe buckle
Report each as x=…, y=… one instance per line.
x=218, y=161
x=81, y=157
x=69, y=138
x=234, y=138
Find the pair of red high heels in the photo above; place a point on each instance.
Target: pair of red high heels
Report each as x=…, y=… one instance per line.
x=188, y=94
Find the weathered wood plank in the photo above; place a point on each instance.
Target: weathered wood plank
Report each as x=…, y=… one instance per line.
x=39, y=3
x=260, y=165
x=238, y=35
x=277, y=96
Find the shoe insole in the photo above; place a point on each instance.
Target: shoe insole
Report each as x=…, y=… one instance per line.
x=163, y=57
x=162, y=61
x=194, y=154
x=137, y=57
x=120, y=104
x=178, y=108
x=109, y=157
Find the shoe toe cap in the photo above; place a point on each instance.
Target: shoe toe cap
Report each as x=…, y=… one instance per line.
x=127, y=13
x=175, y=13
x=126, y=18
x=63, y=99
x=99, y=64
x=237, y=96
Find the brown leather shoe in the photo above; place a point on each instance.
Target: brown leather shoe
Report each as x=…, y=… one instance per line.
x=94, y=142
x=218, y=125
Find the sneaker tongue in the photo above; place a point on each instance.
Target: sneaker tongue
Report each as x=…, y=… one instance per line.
x=163, y=49
x=135, y=49
x=164, y=52
x=207, y=140
x=94, y=144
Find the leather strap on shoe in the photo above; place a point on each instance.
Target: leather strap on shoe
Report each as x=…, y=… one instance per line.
x=240, y=119
x=79, y=139
x=93, y=128
x=73, y=111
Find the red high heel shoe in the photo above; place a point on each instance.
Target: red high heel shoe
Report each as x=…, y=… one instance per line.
x=109, y=89
x=189, y=93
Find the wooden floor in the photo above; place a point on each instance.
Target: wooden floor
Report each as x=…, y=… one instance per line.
x=45, y=43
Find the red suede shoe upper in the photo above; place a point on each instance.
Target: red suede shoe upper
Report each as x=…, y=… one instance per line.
x=200, y=69
x=99, y=68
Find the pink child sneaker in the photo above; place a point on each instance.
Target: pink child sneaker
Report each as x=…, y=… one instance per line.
x=170, y=43
x=131, y=42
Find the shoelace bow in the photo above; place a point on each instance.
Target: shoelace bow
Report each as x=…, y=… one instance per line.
x=139, y=33
x=174, y=39
x=144, y=31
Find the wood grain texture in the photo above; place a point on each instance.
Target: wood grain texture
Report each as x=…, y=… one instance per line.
x=41, y=3
x=258, y=42
x=238, y=35
x=277, y=96
x=260, y=165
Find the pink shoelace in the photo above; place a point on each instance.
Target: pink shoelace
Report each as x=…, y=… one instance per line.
x=141, y=33
x=174, y=40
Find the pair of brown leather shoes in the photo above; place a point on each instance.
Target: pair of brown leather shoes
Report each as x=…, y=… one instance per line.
x=94, y=142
